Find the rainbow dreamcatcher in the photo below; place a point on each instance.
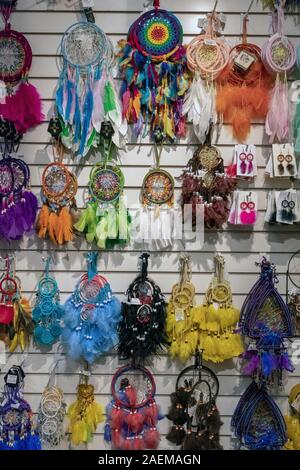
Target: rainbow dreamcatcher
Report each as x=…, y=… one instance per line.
x=86, y=94
x=21, y=108
x=153, y=67
x=106, y=219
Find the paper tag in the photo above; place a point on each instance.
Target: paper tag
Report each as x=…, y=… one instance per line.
x=135, y=302
x=16, y=406
x=71, y=3
x=88, y=3
x=210, y=42
x=244, y=60
x=11, y=379
x=2, y=353
x=295, y=91
x=200, y=23
x=3, y=92
x=179, y=314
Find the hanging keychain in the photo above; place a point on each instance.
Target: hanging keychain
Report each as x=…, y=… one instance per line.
x=47, y=312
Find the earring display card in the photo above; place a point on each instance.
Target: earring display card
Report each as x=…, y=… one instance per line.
x=287, y=209
x=245, y=160
x=284, y=161
x=244, y=208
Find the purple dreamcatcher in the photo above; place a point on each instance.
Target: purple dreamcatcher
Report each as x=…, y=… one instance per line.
x=18, y=205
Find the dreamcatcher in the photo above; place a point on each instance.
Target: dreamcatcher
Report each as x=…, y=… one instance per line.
x=142, y=328
x=51, y=414
x=193, y=410
x=91, y=316
x=18, y=204
x=217, y=319
x=133, y=414
x=84, y=414
x=16, y=325
x=181, y=329
x=47, y=312
x=257, y=421
x=279, y=58
x=106, y=218
x=20, y=106
x=204, y=182
x=292, y=420
x=17, y=431
x=243, y=91
x=86, y=94
x=156, y=219
x=56, y=217
x=289, y=5
x=207, y=57
x=153, y=66
x=293, y=291
x=267, y=321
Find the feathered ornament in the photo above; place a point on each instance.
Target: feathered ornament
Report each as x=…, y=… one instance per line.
x=51, y=416
x=153, y=67
x=57, y=215
x=243, y=88
x=133, y=414
x=155, y=220
x=207, y=56
x=292, y=420
x=86, y=95
x=182, y=331
x=257, y=421
x=91, y=316
x=17, y=430
x=106, y=219
x=193, y=411
x=18, y=205
x=266, y=320
x=21, y=106
x=8, y=289
x=289, y=5
x=204, y=182
x=279, y=58
x=47, y=312
x=142, y=330
x=217, y=319
x=84, y=415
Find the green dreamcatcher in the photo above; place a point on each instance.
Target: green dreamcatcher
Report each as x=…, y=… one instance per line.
x=106, y=219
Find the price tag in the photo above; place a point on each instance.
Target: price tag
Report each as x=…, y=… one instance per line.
x=135, y=302
x=88, y=3
x=244, y=60
x=179, y=314
x=2, y=92
x=210, y=42
x=11, y=379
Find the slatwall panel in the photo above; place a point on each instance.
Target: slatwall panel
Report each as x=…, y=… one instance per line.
x=241, y=246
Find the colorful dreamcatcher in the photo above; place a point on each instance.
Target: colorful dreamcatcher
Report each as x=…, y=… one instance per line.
x=132, y=415
x=207, y=56
x=21, y=108
x=142, y=330
x=293, y=291
x=217, y=319
x=106, y=219
x=257, y=421
x=193, y=411
x=279, y=58
x=17, y=431
x=204, y=182
x=84, y=414
x=243, y=88
x=155, y=77
x=8, y=289
x=289, y=5
x=58, y=213
x=91, y=316
x=182, y=331
x=267, y=321
x=18, y=204
x=86, y=95
x=47, y=312
x=157, y=200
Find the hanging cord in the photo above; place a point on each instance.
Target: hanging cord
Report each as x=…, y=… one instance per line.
x=157, y=154
x=144, y=265
x=91, y=258
x=156, y=4
x=219, y=268
x=185, y=269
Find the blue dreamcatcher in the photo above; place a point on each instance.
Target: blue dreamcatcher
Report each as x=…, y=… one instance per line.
x=91, y=316
x=47, y=312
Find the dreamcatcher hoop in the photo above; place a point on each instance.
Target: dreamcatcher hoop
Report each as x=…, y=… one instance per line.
x=117, y=384
x=55, y=180
x=83, y=45
x=106, y=183
x=157, y=33
x=158, y=187
x=6, y=179
x=15, y=56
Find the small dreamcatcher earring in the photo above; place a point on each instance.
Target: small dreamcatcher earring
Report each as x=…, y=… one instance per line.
x=248, y=213
x=250, y=158
x=287, y=211
x=290, y=167
x=243, y=157
x=280, y=159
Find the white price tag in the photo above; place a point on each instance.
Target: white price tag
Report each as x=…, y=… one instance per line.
x=2, y=92
x=88, y=3
x=2, y=353
x=135, y=302
x=210, y=42
x=179, y=314
x=11, y=379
